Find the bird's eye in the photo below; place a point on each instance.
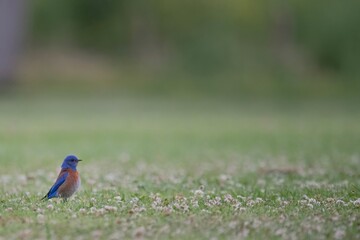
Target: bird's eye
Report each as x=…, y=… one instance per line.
x=73, y=160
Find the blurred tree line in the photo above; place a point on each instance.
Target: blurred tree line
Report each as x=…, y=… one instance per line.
x=229, y=44
x=207, y=35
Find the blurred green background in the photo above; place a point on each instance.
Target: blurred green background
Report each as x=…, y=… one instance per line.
x=236, y=49
x=178, y=80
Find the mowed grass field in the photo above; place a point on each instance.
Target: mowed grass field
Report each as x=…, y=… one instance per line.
x=180, y=169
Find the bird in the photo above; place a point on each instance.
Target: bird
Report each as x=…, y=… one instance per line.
x=68, y=181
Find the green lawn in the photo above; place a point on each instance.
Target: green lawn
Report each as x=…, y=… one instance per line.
x=180, y=169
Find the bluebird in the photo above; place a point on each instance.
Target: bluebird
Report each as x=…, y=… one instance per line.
x=68, y=180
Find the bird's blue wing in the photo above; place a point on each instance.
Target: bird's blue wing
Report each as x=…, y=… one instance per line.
x=53, y=190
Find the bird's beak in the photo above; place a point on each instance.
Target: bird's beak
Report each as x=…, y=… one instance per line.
x=79, y=160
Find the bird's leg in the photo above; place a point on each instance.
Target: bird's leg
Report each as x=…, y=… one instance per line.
x=65, y=200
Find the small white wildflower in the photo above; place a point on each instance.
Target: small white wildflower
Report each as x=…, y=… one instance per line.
x=340, y=202
x=110, y=208
x=100, y=212
x=356, y=202
x=313, y=201
x=134, y=200
x=92, y=199
x=177, y=205
x=229, y=199
x=199, y=193
x=241, y=197
x=195, y=204
x=141, y=209
x=250, y=203
x=217, y=200
x=237, y=206
x=310, y=205
x=50, y=207
x=118, y=198
x=82, y=210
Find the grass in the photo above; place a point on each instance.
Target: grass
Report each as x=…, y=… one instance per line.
x=180, y=169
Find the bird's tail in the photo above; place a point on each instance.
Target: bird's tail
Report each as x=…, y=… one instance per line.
x=46, y=197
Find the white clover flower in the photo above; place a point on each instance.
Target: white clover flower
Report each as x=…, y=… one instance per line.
x=82, y=210
x=305, y=197
x=141, y=209
x=313, y=201
x=110, y=208
x=229, y=199
x=250, y=203
x=241, y=197
x=199, y=193
x=356, y=202
x=237, y=206
x=93, y=209
x=340, y=202
x=118, y=198
x=194, y=203
x=100, y=212
x=134, y=200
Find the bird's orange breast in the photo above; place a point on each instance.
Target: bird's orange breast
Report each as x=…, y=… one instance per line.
x=70, y=185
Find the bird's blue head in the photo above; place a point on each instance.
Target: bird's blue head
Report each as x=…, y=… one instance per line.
x=70, y=161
